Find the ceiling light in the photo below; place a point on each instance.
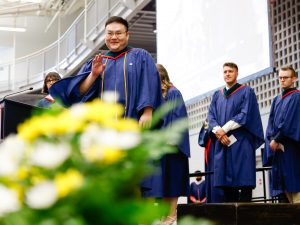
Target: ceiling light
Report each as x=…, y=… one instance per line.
x=14, y=29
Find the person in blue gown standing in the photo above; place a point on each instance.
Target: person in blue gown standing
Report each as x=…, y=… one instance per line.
x=235, y=120
x=129, y=73
x=171, y=180
x=49, y=80
x=283, y=137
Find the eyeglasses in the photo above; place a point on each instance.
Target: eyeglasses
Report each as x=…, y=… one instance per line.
x=51, y=81
x=283, y=78
x=118, y=34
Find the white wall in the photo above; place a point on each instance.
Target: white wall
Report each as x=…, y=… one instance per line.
x=196, y=161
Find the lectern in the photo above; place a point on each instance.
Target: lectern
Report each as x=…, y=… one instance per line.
x=15, y=110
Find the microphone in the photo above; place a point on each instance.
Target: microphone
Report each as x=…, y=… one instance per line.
x=14, y=93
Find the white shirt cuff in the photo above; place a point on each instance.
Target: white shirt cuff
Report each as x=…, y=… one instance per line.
x=215, y=129
x=230, y=125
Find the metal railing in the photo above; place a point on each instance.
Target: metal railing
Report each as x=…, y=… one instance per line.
x=265, y=183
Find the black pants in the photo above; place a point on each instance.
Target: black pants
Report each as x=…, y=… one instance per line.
x=237, y=194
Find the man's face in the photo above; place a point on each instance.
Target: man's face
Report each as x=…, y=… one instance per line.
x=286, y=79
x=230, y=75
x=116, y=38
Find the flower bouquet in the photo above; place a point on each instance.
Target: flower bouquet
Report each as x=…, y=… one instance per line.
x=78, y=166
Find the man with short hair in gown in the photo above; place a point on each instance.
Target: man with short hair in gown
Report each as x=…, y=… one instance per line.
x=282, y=149
x=235, y=120
x=130, y=73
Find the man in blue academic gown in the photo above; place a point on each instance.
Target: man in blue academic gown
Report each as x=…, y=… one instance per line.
x=234, y=119
x=129, y=73
x=283, y=137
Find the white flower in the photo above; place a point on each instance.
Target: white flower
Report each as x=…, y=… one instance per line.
x=9, y=200
x=11, y=153
x=78, y=110
x=128, y=140
x=8, y=166
x=14, y=145
x=108, y=137
x=95, y=136
x=49, y=155
x=90, y=137
x=110, y=96
x=41, y=196
x=122, y=140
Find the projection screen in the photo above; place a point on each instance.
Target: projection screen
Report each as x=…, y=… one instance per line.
x=195, y=38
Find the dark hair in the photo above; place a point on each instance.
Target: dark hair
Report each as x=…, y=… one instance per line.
x=199, y=175
x=117, y=19
x=50, y=75
x=289, y=68
x=231, y=65
x=164, y=78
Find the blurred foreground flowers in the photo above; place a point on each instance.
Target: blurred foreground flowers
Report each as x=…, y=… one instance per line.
x=80, y=166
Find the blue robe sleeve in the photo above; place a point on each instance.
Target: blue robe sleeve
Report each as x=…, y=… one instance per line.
x=67, y=90
x=178, y=112
x=212, y=114
x=268, y=154
x=249, y=117
x=289, y=124
x=149, y=86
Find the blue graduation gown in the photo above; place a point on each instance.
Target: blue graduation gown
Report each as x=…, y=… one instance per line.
x=172, y=176
x=234, y=166
x=268, y=155
x=198, y=191
x=140, y=83
x=284, y=127
x=213, y=194
x=178, y=112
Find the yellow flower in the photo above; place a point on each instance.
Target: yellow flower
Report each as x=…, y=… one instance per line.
x=67, y=123
x=122, y=124
x=111, y=155
x=73, y=120
x=47, y=125
x=22, y=173
x=19, y=189
x=38, y=178
x=29, y=129
x=67, y=182
x=103, y=154
x=93, y=153
x=100, y=112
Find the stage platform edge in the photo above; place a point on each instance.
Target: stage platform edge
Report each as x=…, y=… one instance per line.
x=244, y=213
